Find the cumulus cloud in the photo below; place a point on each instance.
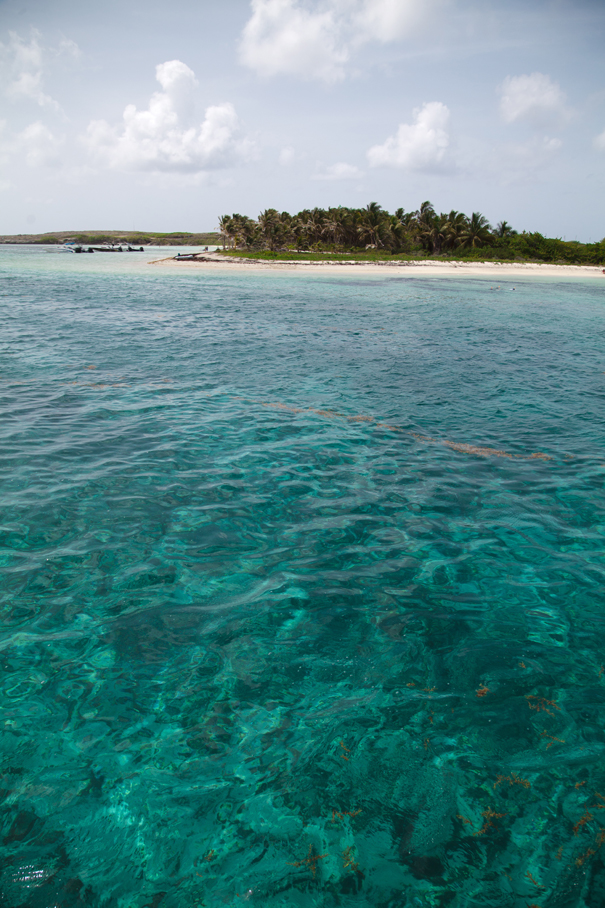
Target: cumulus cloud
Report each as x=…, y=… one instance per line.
x=22, y=65
x=535, y=98
x=421, y=145
x=165, y=137
x=599, y=142
x=315, y=39
x=282, y=37
x=340, y=171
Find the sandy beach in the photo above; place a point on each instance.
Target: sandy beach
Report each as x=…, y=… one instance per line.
x=425, y=268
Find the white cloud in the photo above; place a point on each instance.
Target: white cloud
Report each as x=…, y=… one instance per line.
x=287, y=156
x=599, y=142
x=340, y=171
x=29, y=85
x=386, y=20
x=165, y=137
x=421, y=145
x=282, y=37
x=315, y=40
x=36, y=145
x=22, y=65
x=39, y=146
x=69, y=48
x=535, y=98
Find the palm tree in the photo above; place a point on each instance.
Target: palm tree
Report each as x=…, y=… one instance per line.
x=477, y=232
x=269, y=223
x=314, y=225
x=332, y=228
x=426, y=213
x=243, y=230
x=455, y=227
x=297, y=231
x=370, y=226
x=423, y=225
x=435, y=233
x=405, y=218
x=347, y=219
x=370, y=223
x=394, y=234
x=225, y=225
x=504, y=230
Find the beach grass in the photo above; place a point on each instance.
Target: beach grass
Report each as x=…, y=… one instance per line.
x=378, y=256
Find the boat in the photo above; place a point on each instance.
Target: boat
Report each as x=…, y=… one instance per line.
x=190, y=257
x=74, y=247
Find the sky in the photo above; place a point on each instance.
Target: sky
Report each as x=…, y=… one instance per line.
x=151, y=116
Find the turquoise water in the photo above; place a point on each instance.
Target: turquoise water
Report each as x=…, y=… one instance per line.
x=290, y=613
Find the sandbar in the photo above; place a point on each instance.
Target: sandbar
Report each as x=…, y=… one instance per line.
x=416, y=268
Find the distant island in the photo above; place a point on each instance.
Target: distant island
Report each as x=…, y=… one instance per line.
x=353, y=234
x=373, y=233
x=95, y=237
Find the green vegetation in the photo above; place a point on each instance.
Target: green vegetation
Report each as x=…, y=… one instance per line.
x=133, y=238
x=373, y=234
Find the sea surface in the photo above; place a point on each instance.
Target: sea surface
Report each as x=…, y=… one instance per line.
x=302, y=594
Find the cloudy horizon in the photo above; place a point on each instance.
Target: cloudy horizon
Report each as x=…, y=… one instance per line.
x=140, y=118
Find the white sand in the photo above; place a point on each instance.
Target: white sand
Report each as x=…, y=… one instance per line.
x=426, y=268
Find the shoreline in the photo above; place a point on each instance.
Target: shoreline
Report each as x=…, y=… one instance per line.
x=426, y=267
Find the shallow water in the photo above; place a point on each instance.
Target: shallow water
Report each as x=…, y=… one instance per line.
x=290, y=613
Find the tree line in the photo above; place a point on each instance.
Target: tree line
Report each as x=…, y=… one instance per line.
x=413, y=232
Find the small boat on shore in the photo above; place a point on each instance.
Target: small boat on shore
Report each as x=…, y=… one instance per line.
x=190, y=256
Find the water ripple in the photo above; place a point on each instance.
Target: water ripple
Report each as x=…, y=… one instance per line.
x=302, y=596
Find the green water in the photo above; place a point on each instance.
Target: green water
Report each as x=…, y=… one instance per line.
x=290, y=613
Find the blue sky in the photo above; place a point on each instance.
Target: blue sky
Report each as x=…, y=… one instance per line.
x=136, y=115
